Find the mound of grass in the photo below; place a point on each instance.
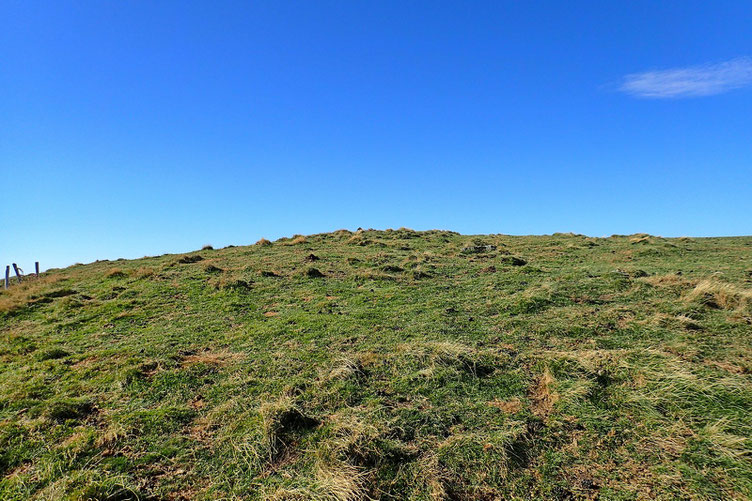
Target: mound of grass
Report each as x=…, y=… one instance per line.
x=64, y=409
x=190, y=258
x=314, y=273
x=425, y=366
x=51, y=354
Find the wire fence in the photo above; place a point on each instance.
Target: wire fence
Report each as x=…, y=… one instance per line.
x=19, y=274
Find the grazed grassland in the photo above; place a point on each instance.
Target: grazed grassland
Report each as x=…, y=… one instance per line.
x=385, y=365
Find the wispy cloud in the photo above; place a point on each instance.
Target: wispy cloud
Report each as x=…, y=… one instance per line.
x=691, y=81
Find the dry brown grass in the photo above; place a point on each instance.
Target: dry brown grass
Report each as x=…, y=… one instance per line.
x=339, y=481
x=115, y=273
x=644, y=238
x=345, y=368
x=433, y=476
x=669, y=280
x=716, y=294
x=296, y=240
x=728, y=444
x=640, y=239
x=543, y=396
x=19, y=295
x=263, y=242
x=212, y=358
x=507, y=406
x=356, y=238
x=144, y=272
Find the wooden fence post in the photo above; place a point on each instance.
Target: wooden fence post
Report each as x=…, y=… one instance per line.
x=18, y=273
x=7, y=275
x=36, y=268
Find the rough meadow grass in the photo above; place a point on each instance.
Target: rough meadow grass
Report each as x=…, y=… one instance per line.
x=385, y=365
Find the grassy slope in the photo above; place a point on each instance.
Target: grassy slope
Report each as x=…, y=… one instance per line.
x=618, y=368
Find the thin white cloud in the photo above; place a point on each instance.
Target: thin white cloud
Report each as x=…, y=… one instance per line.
x=692, y=81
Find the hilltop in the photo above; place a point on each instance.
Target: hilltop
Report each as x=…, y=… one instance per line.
x=387, y=365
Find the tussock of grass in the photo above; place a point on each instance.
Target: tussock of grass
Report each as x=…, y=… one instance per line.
x=346, y=368
x=716, y=294
x=357, y=238
x=143, y=272
x=339, y=481
x=211, y=268
x=543, y=395
x=116, y=273
x=314, y=273
x=667, y=280
x=296, y=240
x=189, y=259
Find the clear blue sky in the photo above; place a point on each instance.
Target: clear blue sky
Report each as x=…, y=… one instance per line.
x=137, y=128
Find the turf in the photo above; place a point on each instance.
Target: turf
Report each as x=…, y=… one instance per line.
x=385, y=365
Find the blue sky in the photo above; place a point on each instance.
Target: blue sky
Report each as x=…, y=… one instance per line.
x=138, y=128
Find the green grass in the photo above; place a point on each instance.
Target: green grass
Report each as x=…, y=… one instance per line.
x=386, y=365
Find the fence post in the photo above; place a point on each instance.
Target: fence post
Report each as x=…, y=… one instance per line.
x=18, y=273
x=36, y=268
x=7, y=275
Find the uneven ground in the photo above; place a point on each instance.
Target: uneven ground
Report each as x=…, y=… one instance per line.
x=385, y=365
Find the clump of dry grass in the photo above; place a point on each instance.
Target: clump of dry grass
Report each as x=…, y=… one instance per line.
x=337, y=474
x=668, y=280
x=260, y=438
x=665, y=320
x=143, y=272
x=346, y=368
x=433, y=476
x=641, y=240
x=716, y=294
x=263, y=242
x=296, y=240
x=369, y=274
x=733, y=446
x=280, y=418
x=218, y=358
x=289, y=494
x=437, y=350
x=231, y=283
x=507, y=406
x=339, y=481
x=189, y=259
x=116, y=273
x=357, y=238
x=458, y=356
x=543, y=396
x=211, y=268
x=114, y=432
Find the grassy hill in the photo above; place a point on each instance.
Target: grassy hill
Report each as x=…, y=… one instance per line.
x=385, y=365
